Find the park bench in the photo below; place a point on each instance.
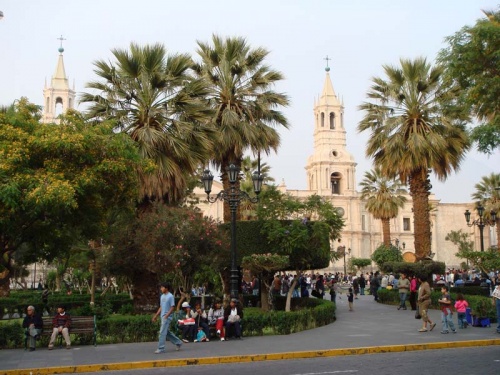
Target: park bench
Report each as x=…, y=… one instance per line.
x=80, y=325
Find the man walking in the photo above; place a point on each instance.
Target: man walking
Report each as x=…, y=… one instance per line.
x=165, y=311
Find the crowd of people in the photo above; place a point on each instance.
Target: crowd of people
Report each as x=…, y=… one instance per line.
x=199, y=325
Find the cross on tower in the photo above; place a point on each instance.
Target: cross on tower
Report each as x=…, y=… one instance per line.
x=61, y=39
x=327, y=59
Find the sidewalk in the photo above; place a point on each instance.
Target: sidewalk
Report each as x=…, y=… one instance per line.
x=370, y=328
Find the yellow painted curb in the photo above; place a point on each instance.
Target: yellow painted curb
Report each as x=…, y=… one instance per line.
x=250, y=358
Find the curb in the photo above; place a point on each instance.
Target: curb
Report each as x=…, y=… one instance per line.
x=249, y=358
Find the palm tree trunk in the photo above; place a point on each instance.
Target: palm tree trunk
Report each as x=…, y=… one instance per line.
x=419, y=190
x=386, y=231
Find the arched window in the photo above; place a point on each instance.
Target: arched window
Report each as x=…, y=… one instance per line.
x=322, y=119
x=335, y=178
x=342, y=120
x=332, y=120
x=59, y=107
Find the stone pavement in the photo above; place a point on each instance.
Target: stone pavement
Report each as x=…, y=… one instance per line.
x=370, y=328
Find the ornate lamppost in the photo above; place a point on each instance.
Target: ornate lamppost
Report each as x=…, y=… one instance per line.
x=396, y=241
x=481, y=222
x=233, y=196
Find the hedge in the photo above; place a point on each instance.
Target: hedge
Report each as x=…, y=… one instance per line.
x=139, y=328
x=77, y=304
x=392, y=297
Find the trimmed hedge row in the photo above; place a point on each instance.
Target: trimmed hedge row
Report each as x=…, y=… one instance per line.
x=77, y=304
x=392, y=297
x=139, y=328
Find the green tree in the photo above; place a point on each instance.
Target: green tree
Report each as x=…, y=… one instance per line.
x=488, y=194
x=415, y=130
x=384, y=254
x=303, y=230
x=152, y=96
x=360, y=263
x=60, y=185
x=246, y=109
x=384, y=198
x=471, y=61
x=165, y=243
x=483, y=260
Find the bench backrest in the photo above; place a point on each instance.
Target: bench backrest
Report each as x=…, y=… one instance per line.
x=79, y=324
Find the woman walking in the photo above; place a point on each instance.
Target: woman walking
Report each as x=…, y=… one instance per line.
x=424, y=300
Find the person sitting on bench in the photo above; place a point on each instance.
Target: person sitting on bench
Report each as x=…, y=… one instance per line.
x=60, y=325
x=232, y=316
x=34, y=324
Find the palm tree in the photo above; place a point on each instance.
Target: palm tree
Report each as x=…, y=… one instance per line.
x=244, y=105
x=384, y=198
x=153, y=98
x=488, y=194
x=414, y=131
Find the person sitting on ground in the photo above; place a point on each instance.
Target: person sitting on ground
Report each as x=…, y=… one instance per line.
x=232, y=318
x=216, y=319
x=201, y=320
x=34, y=325
x=60, y=325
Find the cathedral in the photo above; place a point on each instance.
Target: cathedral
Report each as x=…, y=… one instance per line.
x=330, y=172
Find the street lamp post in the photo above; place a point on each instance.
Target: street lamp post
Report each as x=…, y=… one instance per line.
x=481, y=222
x=396, y=241
x=233, y=196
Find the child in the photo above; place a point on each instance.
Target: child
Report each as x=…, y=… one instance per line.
x=350, y=298
x=461, y=305
x=446, y=313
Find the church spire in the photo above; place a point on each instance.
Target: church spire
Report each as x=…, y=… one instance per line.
x=328, y=96
x=59, y=97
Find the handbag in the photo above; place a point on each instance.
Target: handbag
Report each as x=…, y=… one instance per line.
x=417, y=314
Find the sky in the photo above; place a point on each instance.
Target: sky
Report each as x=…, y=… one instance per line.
x=359, y=36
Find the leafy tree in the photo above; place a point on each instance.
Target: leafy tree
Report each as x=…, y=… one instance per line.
x=485, y=261
x=165, y=243
x=360, y=263
x=471, y=62
x=415, y=129
x=384, y=199
x=152, y=96
x=59, y=184
x=384, y=254
x=488, y=194
x=302, y=230
x=246, y=109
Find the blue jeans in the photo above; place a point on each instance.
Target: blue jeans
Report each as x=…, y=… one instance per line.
x=462, y=320
x=447, y=320
x=402, y=300
x=165, y=333
x=498, y=314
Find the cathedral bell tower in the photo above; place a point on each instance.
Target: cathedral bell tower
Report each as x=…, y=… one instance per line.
x=58, y=97
x=331, y=169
